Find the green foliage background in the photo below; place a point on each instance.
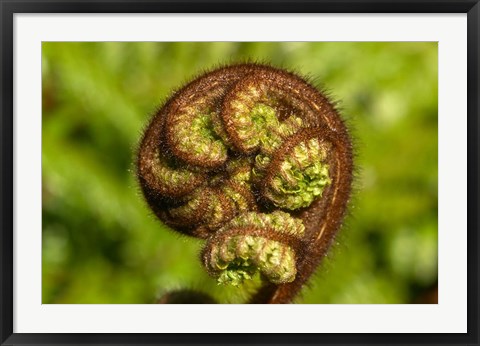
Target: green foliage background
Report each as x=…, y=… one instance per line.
x=102, y=245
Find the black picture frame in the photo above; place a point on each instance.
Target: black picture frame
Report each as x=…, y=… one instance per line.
x=9, y=8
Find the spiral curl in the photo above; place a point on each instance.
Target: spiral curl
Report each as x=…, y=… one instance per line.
x=258, y=162
x=254, y=242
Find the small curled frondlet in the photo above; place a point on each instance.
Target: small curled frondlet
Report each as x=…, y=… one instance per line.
x=259, y=163
x=254, y=242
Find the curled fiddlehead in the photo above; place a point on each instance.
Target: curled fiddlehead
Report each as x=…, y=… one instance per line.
x=259, y=163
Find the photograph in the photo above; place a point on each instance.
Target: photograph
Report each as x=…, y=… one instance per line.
x=239, y=172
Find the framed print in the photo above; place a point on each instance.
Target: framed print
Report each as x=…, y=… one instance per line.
x=236, y=173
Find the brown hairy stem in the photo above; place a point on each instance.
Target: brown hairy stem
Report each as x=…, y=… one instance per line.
x=320, y=231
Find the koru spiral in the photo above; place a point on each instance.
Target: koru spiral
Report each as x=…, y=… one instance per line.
x=257, y=162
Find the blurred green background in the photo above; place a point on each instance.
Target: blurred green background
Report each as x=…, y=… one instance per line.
x=102, y=245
